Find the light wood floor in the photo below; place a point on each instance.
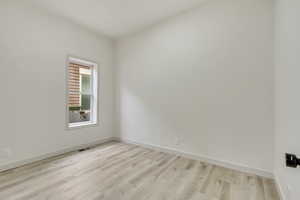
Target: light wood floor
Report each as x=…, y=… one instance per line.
x=118, y=171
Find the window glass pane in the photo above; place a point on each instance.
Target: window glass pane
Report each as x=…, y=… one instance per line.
x=79, y=116
x=80, y=88
x=74, y=86
x=85, y=102
x=85, y=84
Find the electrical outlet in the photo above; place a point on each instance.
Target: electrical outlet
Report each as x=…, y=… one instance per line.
x=5, y=153
x=177, y=141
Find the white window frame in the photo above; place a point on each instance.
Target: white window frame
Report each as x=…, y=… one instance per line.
x=94, y=97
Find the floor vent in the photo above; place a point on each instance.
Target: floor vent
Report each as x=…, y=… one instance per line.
x=84, y=149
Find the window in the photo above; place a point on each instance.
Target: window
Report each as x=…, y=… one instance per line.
x=82, y=93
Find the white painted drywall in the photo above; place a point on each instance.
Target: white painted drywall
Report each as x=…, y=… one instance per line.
x=287, y=82
x=33, y=49
x=202, y=82
x=116, y=17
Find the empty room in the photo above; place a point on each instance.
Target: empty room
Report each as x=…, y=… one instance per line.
x=150, y=100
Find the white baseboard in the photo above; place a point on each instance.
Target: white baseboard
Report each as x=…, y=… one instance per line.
x=155, y=147
x=159, y=148
x=48, y=155
x=279, y=187
x=222, y=163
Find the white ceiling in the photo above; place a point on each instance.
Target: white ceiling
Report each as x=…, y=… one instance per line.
x=116, y=17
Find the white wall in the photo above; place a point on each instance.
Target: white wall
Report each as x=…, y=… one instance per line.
x=33, y=49
x=204, y=78
x=287, y=105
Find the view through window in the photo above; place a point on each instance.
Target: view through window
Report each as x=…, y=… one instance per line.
x=81, y=94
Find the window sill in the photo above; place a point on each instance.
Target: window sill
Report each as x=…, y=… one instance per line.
x=82, y=125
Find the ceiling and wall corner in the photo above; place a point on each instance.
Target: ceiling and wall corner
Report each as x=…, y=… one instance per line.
x=116, y=18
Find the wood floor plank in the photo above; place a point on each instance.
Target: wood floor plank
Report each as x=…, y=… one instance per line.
x=119, y=171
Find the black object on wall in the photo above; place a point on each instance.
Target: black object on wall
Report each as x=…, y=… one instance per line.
x=292, y=160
